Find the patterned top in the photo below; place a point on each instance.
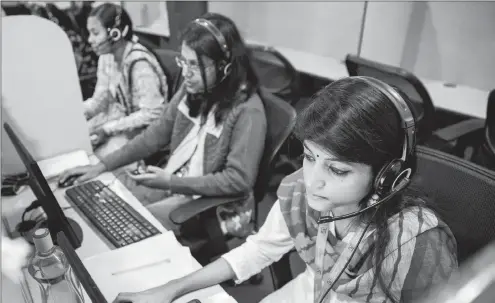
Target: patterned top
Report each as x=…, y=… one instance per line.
x=133, y=95
x=421, y=251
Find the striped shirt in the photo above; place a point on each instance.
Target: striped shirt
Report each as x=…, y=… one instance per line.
x=127, y=99
x=421, y=252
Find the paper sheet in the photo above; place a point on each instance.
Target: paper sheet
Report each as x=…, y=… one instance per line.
x=221, y=297
x=140, y=266
x=54, y=166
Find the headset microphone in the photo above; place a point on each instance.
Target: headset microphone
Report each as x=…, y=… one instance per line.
x=108, y=40
x=400, y=187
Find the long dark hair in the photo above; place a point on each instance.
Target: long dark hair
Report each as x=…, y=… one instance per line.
x=357, y=123
x=239, y=84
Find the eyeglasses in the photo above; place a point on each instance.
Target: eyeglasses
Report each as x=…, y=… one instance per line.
x=191, y=66
x=182, y=63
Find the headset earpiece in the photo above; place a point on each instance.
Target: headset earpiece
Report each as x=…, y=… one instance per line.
x=115, y=34
x=387, y=177
x=227, y=69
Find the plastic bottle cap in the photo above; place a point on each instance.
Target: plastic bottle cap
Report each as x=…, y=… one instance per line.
x=42, y=240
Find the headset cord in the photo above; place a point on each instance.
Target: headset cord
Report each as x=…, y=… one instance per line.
x=350, y=258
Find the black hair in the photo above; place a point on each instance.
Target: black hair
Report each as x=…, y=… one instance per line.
x=235, y=87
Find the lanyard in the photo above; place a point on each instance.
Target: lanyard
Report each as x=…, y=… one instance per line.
x=321, y=243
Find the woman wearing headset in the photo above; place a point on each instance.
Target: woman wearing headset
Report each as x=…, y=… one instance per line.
x=215, y=126
x=358, y=153
x=131, y=86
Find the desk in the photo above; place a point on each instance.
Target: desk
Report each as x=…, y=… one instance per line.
x=460, y=99
x=93, y=242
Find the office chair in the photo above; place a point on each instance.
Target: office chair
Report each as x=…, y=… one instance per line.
x=463, y=194
x=405, y=81
x=479, y=270
x=166, y=58
x=276, y=73
x=472, y=139
x=281, y=118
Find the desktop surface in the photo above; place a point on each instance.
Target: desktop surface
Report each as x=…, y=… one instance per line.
x=94, y=242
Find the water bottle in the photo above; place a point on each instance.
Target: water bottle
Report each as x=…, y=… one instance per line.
x=50, y=268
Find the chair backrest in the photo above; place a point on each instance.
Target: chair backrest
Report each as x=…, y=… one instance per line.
x=281, y=118
x=464, y=194
x=407, y=82
x=276, y=73
x=166, y=57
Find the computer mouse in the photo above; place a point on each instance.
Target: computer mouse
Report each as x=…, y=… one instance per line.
x=68, y=182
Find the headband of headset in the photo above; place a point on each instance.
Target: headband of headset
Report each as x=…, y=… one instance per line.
x=216, y=33
x=407, y=118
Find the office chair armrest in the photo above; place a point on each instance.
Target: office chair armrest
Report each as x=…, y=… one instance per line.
x=460, y=129
x=196, y=207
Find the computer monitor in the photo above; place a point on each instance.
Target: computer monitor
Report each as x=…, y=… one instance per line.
x=56, y=219
x=80, y=271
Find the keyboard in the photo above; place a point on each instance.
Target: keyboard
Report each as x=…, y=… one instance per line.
x=112, y=216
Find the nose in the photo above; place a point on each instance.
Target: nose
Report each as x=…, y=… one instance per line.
x=186, y=71
x=90, y=39
x=316, y=180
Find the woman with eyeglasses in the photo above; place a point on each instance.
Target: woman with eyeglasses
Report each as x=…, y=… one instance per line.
x=131, y=89
x=215, y=126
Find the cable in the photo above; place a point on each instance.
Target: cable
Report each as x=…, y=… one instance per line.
x=28, y=225
x=350, y=258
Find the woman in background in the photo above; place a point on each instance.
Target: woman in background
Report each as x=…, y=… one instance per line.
x=215, y=126
x=131, y=89
x=396, y=251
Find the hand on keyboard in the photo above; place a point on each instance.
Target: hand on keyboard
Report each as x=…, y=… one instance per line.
x=85, y=173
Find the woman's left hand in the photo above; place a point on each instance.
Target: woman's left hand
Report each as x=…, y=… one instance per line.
x=154, y=177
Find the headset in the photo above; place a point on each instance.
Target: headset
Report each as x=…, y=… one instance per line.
x=114, y=33
x=217, y=34
x=395, y=175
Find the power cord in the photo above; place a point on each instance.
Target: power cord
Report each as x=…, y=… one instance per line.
x=26, y=226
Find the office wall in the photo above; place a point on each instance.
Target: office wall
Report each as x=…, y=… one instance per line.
x=315, y=27
x=455, y=43
x=385, y=24
x=145, y=13
x=448, y=41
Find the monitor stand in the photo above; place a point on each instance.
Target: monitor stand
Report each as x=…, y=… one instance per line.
x=78, y=232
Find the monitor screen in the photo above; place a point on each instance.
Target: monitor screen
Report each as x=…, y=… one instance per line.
x=57, y=221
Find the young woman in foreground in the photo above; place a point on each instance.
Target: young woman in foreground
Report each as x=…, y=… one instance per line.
x=358, y=136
